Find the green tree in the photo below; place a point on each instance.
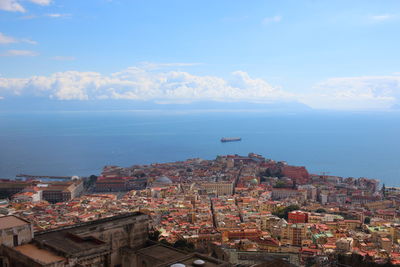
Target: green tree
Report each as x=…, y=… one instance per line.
x=92, y=179
x=154, y=235
x=279, y=184
x=183, y=244
x=283, y=212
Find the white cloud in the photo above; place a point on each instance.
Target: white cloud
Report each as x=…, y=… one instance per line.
x=4, y=39
x=15, y=6
x=382, y=17
x=29, y=41
x=273, y=19
x=41, y=2
x=58, y=15
x=26, y=53
x=11, y=5
x=139, y=83
x=368, y=92
x=63, y=58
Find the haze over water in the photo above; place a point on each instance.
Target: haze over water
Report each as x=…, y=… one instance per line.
x=81, y=143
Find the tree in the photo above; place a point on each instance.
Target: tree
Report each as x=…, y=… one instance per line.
x=154, y=235
x=183, y=244
x=279, y=184
x=284, y=212
x=384, y=190
x=92, y=179
x=320, y=210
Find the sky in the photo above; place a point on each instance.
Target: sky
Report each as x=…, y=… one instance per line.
x=337, y=55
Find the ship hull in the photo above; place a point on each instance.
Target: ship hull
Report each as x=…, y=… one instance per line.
x=224, y=140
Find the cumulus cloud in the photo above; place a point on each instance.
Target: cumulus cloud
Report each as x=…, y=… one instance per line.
x=15, y=6
x=4, y=39
x=270, y=20
x=11, y=5
x=367, y=92
x=171, y=86
x=141, y=84
x=19, y=53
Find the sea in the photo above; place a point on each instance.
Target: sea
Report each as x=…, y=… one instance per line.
x=347, y=144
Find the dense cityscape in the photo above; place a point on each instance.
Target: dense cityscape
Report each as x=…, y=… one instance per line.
x=241, y=210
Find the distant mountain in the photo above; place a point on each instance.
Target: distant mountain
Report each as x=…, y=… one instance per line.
x=35, y=104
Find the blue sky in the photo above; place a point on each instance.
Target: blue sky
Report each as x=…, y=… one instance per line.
x=325, y=54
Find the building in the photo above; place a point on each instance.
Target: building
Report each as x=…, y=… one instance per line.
x=61, y=191
x=105, y=184
x=118, y=184
x=14, y=231
x=344, y=244
x=121, y=240
x=297, y=217
x=219, y=188
x=95, y=243
x=283, y=193
x=11, y=187
x=294, y=234
x=159, y=255
x=29, y=194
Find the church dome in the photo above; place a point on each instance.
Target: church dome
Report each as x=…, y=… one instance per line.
x=254, y=181
x=163, y=180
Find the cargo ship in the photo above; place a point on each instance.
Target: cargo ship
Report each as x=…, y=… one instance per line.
x=230, y=139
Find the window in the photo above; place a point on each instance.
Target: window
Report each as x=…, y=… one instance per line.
x=15, y=239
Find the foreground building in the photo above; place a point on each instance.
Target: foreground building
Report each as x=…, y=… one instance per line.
x=121, y=240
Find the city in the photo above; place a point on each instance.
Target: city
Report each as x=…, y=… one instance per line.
x=239, y=209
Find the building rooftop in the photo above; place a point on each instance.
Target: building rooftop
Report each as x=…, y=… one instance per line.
x=39, y=255
x=70, y=243
x=11, y=221
x=191, y=260
x=162, y=253
x=68, y=239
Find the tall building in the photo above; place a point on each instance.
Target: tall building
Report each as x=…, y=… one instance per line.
x=297, y=217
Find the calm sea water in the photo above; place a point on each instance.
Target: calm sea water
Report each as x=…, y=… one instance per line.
x=81, y=143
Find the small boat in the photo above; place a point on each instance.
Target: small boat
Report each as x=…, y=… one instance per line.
x=230, y=139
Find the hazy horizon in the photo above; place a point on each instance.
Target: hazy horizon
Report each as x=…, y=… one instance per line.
x=336, y=56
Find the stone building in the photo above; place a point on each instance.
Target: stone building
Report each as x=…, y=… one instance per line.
x=218, y=188
x=14, y=231
x=118, y=241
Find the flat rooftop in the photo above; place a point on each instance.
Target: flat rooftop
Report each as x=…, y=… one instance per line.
x=68, y=239
x=162, y=253
x=38, y=255
x=70, y=243
x=11, y=221
x=208, y=262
